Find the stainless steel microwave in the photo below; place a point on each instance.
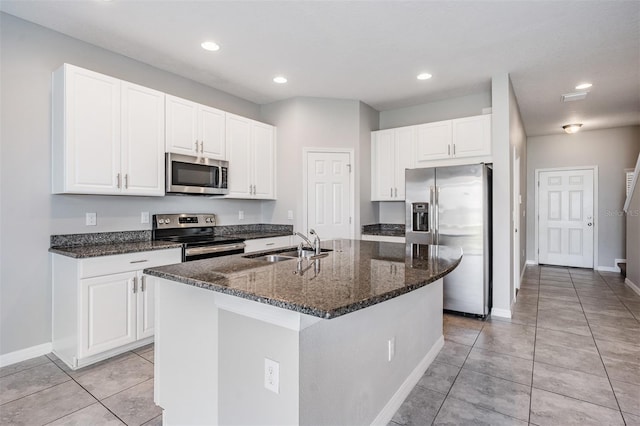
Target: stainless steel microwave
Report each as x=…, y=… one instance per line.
x=196, y=175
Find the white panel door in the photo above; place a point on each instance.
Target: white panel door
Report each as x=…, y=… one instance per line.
x=211, y=131
x=238, y=130
x=383, y=167
x=145, y=306
x=405, y=139
x=93, y=132
x=263, y=160
x=181, y=125
x=566, y=218
x=329, y=194
x=107, y=313
x=433, y=143
x=142, y=140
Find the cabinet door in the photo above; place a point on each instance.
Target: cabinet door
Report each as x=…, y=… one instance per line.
x=382, y=165
x=212, y=133
x=107, y=313
x=146, y=307
x=433, y=142
x=181, y=126
x=142, y=140
x=92, y=132
x=263, y=160
x=238, y=131
x=472, y=136
x=405, y=139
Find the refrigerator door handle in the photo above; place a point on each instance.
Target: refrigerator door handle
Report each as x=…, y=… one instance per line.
x=436, y=208
x=431, y=214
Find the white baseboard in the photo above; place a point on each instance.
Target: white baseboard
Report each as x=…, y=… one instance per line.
x=531, y=262
x=608, y=269
x=633, y=285
x=25, y=354
x=386, y=414
x=502, y=313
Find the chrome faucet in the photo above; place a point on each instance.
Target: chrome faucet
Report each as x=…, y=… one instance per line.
x=316, y=242
x=309, y=243
x=315, y=246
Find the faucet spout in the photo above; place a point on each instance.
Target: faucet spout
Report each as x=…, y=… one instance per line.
x=309, y=243
x=316, y=241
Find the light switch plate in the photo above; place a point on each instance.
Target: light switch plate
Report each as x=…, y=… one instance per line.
x=290, y=214
x=144, y=217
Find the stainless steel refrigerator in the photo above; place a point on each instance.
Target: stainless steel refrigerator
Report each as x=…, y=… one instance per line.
x=452, y=206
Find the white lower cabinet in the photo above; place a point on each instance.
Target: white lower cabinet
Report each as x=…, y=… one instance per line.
x=260, y=244
x=105, y=305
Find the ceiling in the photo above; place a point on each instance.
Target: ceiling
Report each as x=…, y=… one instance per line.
x=373, y=50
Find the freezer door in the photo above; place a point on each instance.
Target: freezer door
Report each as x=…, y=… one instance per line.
x=419, y=205
x=461, y=196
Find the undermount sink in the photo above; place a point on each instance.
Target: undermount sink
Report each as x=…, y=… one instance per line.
x=276, y=258
x=306, y=253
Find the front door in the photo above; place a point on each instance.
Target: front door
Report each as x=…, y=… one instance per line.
x=329, y=194
x=566, y=218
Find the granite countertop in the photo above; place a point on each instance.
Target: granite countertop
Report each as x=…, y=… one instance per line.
x=109, y=249
x=384, y=229
x=354, y=275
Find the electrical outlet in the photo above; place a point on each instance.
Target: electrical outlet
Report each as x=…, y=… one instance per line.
x=272, y=375
x=91, y=219
x=240, y=214
x=290, y=214
x=391, y=344
x=144, y=217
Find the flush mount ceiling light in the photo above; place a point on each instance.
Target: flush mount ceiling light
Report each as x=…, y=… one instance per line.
x=572, y=128
x=210, y=45
x=424, y=76
x=583, y=86
x=279, y=79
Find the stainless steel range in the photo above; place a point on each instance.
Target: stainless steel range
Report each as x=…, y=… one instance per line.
x=196, y=233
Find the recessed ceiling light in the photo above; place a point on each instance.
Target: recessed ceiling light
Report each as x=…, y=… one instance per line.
x=279, y=79
x=210, y=45
x=583, y=86
x=424, y=76
x=572, y=128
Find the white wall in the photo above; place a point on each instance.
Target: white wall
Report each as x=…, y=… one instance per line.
x=366, y=211
x=317, y=123
x=30, y=214
x=462, y=106
x=612, y=150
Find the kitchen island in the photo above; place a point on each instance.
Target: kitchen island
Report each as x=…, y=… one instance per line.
x=340, y=339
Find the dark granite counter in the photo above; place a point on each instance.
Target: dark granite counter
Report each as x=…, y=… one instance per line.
x=384, y=229
x=109, y=249
x=354, y=275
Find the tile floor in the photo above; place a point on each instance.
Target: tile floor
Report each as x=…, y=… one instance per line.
x=570, y=355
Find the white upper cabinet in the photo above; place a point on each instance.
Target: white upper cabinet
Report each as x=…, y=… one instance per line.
x=472, y=136
x=251, y=155
x=107, y=135
x=194, y=129
x=433, y=142
x=391, y=154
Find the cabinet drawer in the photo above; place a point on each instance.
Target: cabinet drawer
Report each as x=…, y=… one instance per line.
x=267, y=243
x=106, y=265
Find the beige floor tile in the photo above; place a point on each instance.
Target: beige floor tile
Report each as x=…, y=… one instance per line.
x=94, y=414
x=30, y=381
x=135, y=405
x=116, y=377
x=24, y=365
x=548, y=408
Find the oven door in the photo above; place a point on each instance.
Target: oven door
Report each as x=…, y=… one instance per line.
x=205, y=252
x=193, y=175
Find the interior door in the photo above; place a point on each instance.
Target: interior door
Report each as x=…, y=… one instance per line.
x=565, y=218
x=329, y=194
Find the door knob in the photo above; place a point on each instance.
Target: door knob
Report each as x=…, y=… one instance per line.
x=589, y=224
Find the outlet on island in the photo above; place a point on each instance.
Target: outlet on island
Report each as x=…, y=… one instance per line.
x=240, y=214
x=91, y=219
x=272, y=375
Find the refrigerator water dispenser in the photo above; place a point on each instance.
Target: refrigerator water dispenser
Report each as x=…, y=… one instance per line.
x=420, y=219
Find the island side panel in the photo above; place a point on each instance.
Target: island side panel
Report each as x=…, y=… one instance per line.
x=186, y=354
x=244, y=344
x=345, y=374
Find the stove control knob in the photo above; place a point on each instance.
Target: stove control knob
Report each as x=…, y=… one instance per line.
x=160, y=221
x=167, y=221
x=208, y=220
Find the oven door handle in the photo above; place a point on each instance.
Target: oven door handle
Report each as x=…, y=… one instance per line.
x=195, y=251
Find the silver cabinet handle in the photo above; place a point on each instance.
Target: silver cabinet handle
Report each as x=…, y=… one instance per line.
x=139, y=261
x=135, y=284
x=396, y=192
x=118, y=180
x=448, y=149
x=454, y=149
x=201, y=147
x=250, y=189
x=196, y=145
x=143, y=280
x=390, y=192
x=126, y=181
x=269, y=244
